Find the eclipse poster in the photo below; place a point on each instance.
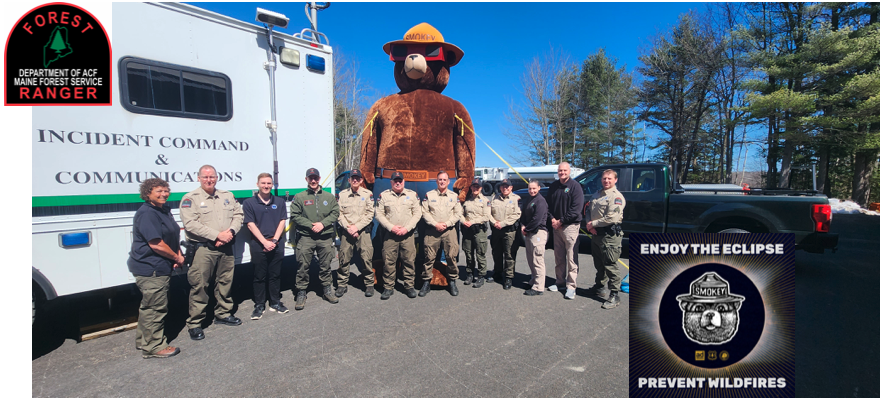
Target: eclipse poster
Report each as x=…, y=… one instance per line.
x=711, y=315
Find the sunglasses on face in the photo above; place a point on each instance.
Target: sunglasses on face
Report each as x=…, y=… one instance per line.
x=431, y=52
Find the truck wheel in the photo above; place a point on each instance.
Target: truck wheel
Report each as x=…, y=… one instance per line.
x=733, y=231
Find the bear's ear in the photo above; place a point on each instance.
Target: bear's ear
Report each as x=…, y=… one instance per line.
x=450, y=58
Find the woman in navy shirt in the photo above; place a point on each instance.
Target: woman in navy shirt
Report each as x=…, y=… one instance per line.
x=534, y=230
x=155, y=252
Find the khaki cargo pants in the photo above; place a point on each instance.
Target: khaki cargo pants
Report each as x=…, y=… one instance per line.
x=565, y=250
x=364, y=246
x=535, y=246
x=404, y=248
x=209, y=265
x=435, y=240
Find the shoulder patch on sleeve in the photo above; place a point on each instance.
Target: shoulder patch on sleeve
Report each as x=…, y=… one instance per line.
x=187, y=203
x=618, y=201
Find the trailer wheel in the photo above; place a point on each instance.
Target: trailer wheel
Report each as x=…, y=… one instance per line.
x=733, y=231
x=38, y=303
x=487, y=189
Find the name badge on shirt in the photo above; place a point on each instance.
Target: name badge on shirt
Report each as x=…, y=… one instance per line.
x=274, y=206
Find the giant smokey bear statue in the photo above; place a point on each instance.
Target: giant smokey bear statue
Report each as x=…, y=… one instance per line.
x=419, y=131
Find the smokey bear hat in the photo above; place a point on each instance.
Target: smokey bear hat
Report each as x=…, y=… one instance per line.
x=426, y=40
x=710, y=288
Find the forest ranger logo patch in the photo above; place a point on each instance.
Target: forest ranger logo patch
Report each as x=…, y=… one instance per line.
x=58, y=54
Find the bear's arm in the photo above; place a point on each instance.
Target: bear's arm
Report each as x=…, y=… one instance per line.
x=464, y=148
x=369, y=143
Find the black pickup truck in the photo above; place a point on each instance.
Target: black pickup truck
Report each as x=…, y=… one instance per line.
x=654, y=205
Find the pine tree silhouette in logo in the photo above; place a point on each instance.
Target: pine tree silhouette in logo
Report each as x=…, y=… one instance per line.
x=57, y=47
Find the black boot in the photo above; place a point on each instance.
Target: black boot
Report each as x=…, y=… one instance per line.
x=468, y=279
x=508, y=283
x=328, y=295
x=612, y=301
x=426, y=288
x=453, y=290
x=479, y=282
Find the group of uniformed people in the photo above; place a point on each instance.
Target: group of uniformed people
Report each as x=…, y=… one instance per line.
x=212, y=217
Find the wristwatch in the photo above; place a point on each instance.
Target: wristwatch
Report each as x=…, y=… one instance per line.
x=274, y=241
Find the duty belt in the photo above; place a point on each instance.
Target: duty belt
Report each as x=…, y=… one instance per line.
x=413, y=175
x=505, y=229
x=611, y=230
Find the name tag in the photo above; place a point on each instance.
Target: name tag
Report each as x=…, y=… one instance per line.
x=309, y=202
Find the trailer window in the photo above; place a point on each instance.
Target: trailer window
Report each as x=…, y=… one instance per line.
x=157, y=88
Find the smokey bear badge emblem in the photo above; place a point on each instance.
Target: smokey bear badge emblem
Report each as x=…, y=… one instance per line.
x=710, y=312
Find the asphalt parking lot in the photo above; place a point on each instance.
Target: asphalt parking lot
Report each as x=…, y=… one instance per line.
x=487, y=342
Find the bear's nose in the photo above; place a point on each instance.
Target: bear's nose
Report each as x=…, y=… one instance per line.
x=415, y=66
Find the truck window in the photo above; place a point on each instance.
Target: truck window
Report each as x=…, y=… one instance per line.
x=158, y=88
x=592, y=181
x=643, y=180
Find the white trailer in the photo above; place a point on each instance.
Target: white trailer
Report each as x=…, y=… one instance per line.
x=190, y=87
x=545, y=174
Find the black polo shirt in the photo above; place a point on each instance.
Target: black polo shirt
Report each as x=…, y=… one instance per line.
x=266, y=217
x=150, y=223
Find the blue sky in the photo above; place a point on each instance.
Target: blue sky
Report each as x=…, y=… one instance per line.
x=498, y=39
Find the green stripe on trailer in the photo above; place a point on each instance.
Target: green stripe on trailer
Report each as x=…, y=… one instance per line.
x=103, y=199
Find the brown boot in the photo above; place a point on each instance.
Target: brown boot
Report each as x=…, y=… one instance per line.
x=167, y=352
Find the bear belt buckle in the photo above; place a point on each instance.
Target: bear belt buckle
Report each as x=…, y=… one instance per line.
x=415, y=175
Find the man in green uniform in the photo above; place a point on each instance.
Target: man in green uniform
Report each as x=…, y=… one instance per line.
x=398, y=211
x=505, y=213
x=606, y=215
x=356, y=211
x=441, y=211
x=210, y=217
x=314, y=211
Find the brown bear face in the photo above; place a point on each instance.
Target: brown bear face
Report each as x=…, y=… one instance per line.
x=436, y=77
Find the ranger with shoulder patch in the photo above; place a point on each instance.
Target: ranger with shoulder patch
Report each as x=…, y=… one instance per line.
x=503, y=218
x=314, y=211
x=441, y=212
x=398, y=211
x=356, y=212
x=606, y=215
x=211, y=217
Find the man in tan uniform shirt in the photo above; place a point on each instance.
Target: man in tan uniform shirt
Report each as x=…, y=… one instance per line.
x=441, y=211
x=356, y=212
x=211, y=217
x=606, y=215
x=398, y=211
